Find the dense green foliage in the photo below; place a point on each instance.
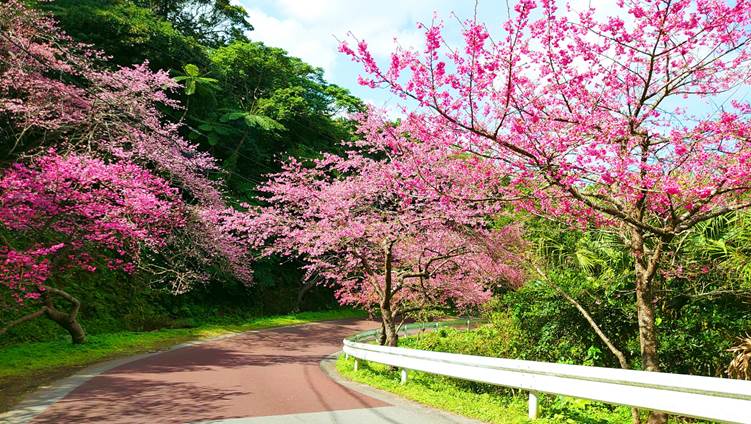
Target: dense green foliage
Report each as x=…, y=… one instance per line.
x=263, y=106
x=701, y=310
x=248, y=104
x=128, y=33
x=211, y=22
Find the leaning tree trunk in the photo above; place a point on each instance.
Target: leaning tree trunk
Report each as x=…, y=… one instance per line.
x=645, y=267
x=67, y=320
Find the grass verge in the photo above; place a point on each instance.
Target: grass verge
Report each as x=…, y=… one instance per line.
x=27, y=366
x=479, y=401
x=431, y=391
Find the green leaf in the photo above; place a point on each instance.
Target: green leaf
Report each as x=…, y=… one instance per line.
x=191, y=70
x=190, y=87
x=231, y=116
x=254, y=121
x=222, y=130
x=262, y=122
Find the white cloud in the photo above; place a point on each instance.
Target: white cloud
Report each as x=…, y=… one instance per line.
x=309, y=28
x=293, y=36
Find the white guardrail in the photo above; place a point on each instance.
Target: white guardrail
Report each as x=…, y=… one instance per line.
x=719, y=399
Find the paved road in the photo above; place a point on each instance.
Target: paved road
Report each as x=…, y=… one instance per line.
x=265, y=377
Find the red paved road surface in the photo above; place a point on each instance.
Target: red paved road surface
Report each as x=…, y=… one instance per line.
x=270, y=372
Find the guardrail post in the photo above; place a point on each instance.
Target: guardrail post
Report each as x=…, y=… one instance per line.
x=356, y=364
x=346, y=355
x=404, y=376
x=532, y=405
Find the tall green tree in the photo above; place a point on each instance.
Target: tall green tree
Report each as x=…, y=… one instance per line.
x=127, y=32
x=271, y=104
x=211, y=22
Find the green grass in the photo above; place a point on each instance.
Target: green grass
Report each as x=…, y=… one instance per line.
x=482, y=402
x=431, y=391
x=26, y=366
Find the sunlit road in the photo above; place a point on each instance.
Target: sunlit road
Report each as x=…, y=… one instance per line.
x=264, y=377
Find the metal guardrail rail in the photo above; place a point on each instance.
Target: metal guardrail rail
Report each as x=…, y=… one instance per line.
x=407, y=328
x=719, y=399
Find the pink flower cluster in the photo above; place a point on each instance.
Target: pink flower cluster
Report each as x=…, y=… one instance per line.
x=52, y=91
x=591, y=118
x=78, y=213
x=367, y=226
x=25, y=272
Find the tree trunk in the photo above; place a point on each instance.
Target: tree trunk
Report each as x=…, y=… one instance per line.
x=645, y=267
x=301, y=294
x=67, y=320
x=387, y=313
x=389, y=326
x=647, y=332
x=382, y=335
x=70, y=324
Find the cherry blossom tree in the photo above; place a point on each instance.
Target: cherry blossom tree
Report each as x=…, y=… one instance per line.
x=382, y=245
x=57, y=92
x=121, y=189
x=60, y=216
x=633, y=121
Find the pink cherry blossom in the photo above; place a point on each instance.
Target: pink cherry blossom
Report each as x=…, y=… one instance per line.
x=53, y=91
x=78, y=213
x=594, y=119
x=363, y=228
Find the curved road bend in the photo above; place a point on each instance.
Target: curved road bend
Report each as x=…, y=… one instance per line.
x=263, y=377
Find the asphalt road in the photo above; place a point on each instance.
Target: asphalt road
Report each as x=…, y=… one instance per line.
x=270, y=376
